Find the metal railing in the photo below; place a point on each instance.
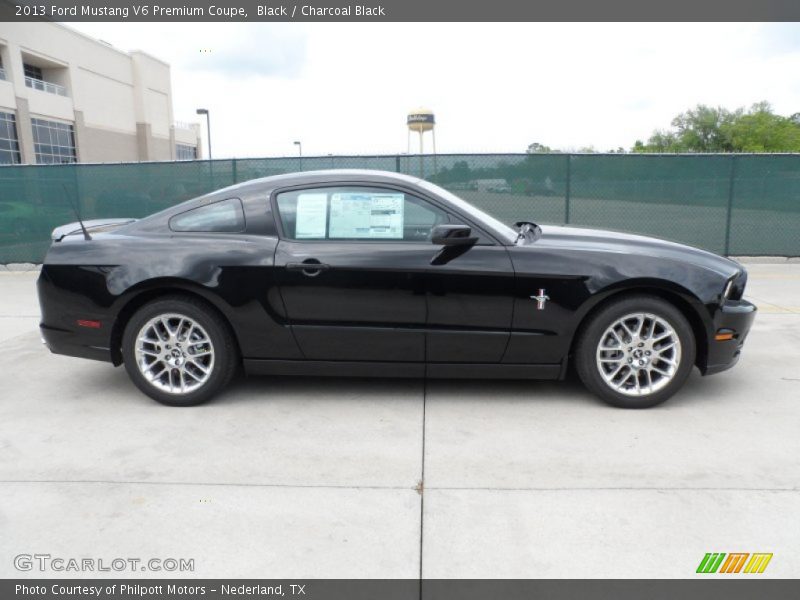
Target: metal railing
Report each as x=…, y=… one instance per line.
x=45, y=86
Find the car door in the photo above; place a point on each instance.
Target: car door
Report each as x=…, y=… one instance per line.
x=470, y=304
x=361, y=279
x=351, y=267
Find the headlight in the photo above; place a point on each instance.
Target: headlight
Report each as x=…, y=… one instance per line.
x=734, y=287
x=728, y=287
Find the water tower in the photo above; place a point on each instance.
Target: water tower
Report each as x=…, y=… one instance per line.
x=422, y=120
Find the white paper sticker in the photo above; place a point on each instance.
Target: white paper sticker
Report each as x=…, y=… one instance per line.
x=312, y=216
x=366, y=216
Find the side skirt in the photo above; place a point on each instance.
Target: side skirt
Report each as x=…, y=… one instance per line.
x=492, y=371
x=331, y=368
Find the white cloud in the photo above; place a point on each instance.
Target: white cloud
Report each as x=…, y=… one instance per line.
x=346, y=88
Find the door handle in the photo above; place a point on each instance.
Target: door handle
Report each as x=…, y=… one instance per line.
x=308, y=268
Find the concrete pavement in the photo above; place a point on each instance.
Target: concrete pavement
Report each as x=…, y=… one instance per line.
x=321, y=477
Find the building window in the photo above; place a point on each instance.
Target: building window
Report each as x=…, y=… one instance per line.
x=33, y=71
x=9, y=143
x=53, y=142
x=2, y=70
x=185, y=152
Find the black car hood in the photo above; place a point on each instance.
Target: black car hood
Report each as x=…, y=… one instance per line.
x=600, y=240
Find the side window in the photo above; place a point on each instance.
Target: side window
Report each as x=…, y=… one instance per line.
x=357, y=213
x=226, y=216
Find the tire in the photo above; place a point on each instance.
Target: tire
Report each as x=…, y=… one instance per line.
x=188, y=365
x=635, y=368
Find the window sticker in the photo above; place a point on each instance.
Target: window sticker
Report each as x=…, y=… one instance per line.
x=356, y=215
x=312, y=216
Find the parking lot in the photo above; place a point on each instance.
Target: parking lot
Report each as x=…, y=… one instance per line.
x=400, y=478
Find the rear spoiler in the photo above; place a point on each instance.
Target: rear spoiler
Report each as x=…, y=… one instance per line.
x=59, y=233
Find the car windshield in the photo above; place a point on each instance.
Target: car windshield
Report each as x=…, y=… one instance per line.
x=497, y=226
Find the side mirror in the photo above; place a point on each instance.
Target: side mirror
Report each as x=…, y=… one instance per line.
x=452, y=235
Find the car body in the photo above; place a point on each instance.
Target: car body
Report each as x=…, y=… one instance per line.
x=368, y=273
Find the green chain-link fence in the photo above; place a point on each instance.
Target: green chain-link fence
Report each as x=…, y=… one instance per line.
x=730, y=204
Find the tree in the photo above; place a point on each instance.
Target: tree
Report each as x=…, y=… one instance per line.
x=660, y=141
x=704, y=129
x=710, y=129
x=760, y=130
x=537, y=148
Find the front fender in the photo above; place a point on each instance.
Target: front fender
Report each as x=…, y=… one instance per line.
x=577, y=281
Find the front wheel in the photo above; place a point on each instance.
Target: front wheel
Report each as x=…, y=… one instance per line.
x=636, y=352
x=178, y=351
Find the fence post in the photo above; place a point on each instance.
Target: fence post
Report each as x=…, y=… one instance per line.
x=568, y=189
x=730, y=206
x=233, y=171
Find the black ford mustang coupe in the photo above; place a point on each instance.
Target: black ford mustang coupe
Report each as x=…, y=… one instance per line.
x=365, y=273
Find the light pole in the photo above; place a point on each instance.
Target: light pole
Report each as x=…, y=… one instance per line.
x=204, y=111
x=300, y=153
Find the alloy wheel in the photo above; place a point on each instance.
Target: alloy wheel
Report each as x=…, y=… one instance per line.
x=638, y=354
x=174, y=353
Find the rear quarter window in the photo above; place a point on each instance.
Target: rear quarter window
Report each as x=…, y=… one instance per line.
x=225, y=216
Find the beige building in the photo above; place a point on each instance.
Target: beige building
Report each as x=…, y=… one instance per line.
x=66, y=97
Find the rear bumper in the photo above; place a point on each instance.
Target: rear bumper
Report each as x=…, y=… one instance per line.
x=62, y=308
x=60, y=341
x=736, y=317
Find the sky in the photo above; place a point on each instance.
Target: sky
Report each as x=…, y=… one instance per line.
x=346, y=88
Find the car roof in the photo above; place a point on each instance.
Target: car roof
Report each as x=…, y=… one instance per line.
x=268, y=184
x=332, y=175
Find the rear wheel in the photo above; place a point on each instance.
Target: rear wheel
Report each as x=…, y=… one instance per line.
x=178, y=351
x=636, y=352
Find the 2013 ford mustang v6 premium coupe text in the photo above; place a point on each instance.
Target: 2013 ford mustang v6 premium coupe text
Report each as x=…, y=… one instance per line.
x=365, y=273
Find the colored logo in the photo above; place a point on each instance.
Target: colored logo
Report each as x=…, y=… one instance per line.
x=735, y=562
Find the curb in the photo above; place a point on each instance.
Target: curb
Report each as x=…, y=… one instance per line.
x=767, y=260
x=20, y=267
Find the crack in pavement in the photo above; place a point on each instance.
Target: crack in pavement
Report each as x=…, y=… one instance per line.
x=414, y=488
